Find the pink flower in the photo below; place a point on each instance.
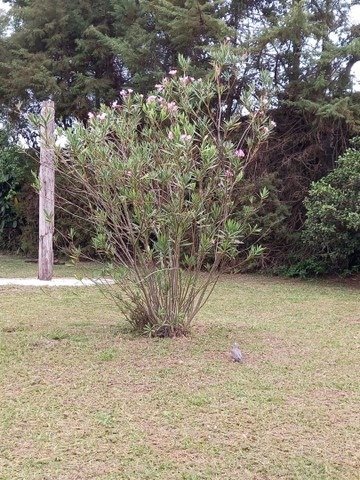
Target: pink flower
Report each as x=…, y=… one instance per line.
x=159, y=87
x=228, y=173
x=185, y=80
x=172, y=107
x=130, y=90
x=91, y=115
x=151, y=99
x=173, y=72
x=240, y=153
x=114, y=104
x=123, y=93
x=185, y=138
x=101, y=116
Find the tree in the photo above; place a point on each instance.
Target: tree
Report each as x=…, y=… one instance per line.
x=82, y=53
x=149, y=35
x=309, y=48
x=50, y=55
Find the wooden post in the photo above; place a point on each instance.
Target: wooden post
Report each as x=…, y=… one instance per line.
x=47, y=191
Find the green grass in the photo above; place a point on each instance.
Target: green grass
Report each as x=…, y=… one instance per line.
x=17, y=267
x=80, y=397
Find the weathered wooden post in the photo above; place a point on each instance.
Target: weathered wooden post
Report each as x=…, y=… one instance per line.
x=47, y=191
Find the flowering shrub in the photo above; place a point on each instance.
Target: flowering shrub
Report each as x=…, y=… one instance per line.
x=162, y=175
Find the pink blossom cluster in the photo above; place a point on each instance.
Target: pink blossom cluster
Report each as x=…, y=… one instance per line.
x=183, y=138
x=240, y=153
x=100, y=116
x=125, y=93
x=171, y=107
x=161, y=86
x=186, y=80
x=151, y=99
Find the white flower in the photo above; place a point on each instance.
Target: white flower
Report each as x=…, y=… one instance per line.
x=170, y=135
x=173, y=72
x=61, y=141
x=101, y=116
x=130, y=90
x=91, y=115
x=114, y=104
x=123, y=93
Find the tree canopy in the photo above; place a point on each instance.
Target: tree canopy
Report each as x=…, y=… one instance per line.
x=83, y=52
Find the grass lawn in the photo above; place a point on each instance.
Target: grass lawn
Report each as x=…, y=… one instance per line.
x=81, y=398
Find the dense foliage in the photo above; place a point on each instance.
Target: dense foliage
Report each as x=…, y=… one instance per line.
x=332, y=227
x=15, y=172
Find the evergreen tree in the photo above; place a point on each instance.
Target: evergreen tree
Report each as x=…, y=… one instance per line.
x=148, y=36
x=51, y=55
x=83, y=52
